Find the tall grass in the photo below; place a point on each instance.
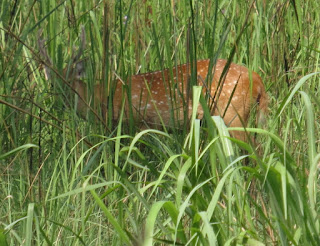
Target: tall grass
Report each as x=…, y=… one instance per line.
x=66, y=180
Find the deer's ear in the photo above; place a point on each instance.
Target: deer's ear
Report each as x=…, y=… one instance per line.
x=80, y=69
x=46, y=60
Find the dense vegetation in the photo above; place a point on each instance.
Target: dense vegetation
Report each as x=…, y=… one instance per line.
x=66, y=180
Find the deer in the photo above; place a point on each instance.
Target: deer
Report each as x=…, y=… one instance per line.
x=233, y=96
x=232, y=89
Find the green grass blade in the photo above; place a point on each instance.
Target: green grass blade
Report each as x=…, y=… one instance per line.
x=121, y=233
